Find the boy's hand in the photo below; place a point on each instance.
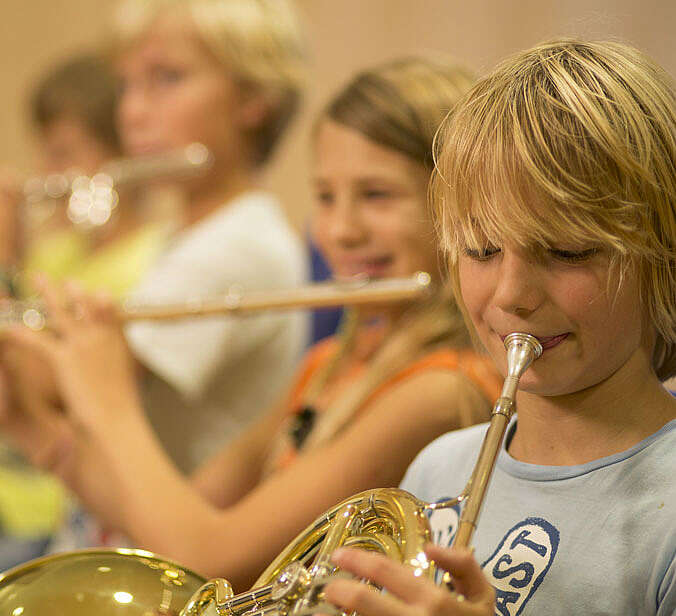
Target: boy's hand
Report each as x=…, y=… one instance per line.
x=406, y=594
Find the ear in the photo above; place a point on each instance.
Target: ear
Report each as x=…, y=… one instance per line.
x=253, y=110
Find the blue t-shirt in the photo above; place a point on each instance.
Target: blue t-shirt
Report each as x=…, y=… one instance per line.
x=598, y=538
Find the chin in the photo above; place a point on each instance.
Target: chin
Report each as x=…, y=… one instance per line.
x=550, y=385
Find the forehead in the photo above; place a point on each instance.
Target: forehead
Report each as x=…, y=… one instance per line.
x=165, y=38
x=509, y=207
x=66, y=126
x=340, y=151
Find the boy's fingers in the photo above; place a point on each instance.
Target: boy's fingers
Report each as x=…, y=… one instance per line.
x=356, y=597
x=468, y=578
x=381, y=570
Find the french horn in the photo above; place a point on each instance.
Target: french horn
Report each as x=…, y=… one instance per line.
x=390, y=521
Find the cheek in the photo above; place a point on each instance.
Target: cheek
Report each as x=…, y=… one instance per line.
x=411, y=235
x=618, y=322
x=473, y=289
x=200, y=113
x=584, y=298
x=319, y=227
x=202, y=121
x=424, y=241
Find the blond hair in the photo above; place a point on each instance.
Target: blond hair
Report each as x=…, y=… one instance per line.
x=400, y=104
x=586, y=130
x=258, y=42
x=397, y=105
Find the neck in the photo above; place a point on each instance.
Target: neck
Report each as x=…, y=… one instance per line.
x=371, y=329
x=220, y=187
x=127, y=219
x=607, y=418
x=373, y=325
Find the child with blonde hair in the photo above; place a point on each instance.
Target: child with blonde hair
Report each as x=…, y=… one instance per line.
x=555, y=194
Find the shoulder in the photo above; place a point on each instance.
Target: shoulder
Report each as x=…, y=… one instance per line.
x=456, y=443
x=259, y=214
x=313, y=359
x=650, y=465
x=437, y=386
x=431, y=385
x=244, y=242
x=477, y=369
x=255, y=228
x=450, y=457
x=318, y=354
x=255, y=217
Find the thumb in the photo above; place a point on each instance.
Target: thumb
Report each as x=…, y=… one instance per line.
x=5, y=397
x=41, y=343
x=468, y=578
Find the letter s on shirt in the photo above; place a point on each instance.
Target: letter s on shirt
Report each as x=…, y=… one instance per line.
x=520, y=563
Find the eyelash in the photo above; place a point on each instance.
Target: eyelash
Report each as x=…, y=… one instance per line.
x=376, y=193
x=568, y=256
x=574, y=256
x=326, y=197
x=481, y=254
x=167, y=75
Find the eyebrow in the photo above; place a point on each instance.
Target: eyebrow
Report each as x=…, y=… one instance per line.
x=370, y=179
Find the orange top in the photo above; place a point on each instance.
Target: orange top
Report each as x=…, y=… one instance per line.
x=479, y=370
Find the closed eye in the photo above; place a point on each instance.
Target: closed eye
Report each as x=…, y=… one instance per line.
x=376, y=193
x=481, y=254
x=324, y=197
x=167, y=74
x=573, y=256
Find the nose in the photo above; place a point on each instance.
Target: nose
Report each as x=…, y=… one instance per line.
x=519, y=288
x=133, y=109
x=346, y=224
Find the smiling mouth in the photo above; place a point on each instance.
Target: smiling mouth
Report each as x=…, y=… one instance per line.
x=369, y=267
x=547, y=342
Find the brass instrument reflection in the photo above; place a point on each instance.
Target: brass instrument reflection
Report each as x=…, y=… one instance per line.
x=390, y=521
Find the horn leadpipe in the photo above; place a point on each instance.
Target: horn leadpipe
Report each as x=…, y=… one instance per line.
x=522, y=350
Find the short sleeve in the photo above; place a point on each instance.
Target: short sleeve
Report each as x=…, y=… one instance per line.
x=238, y=246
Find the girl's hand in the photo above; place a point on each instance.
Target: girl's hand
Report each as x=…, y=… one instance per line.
x=408, y=595
x=87, y=351
x=31, y=421
x=11, y=197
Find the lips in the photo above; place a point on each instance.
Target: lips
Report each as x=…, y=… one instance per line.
x=548, y=342
x=551, y=341
x=143, y=148
x=372, y=267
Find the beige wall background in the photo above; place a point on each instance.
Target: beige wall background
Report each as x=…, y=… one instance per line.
x=344, y=35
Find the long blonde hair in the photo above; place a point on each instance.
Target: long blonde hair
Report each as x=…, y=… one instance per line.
x=398, y=105
x=587, y=130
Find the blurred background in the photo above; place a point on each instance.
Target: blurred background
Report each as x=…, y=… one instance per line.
x=343, y=36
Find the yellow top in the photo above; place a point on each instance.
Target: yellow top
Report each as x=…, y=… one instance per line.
x=116, y=268
x=32, y=504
